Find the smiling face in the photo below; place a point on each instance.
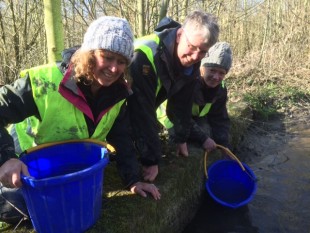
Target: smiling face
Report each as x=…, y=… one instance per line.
x=212, y=76
x=192, y=46
x=108, y=68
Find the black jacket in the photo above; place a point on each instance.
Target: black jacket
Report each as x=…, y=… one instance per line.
x=17, y=103
x=177, y=88
x=217, y=116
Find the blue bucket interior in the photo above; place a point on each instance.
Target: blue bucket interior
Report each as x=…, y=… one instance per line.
x=63, y=159
x=64, y=191
x=229, y=185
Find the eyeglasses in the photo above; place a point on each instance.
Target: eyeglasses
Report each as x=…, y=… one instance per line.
x=194, y=48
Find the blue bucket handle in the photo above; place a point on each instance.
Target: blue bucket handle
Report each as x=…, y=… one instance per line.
x=229, y=153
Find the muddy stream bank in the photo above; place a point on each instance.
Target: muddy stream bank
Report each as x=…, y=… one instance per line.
x=278, y=151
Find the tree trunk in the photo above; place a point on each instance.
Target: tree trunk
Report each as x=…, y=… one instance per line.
x=141, y=29
x=54, y=29
x=163, y=9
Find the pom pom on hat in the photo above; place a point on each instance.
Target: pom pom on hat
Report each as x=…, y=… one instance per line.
x=219, y=55
x=110, y=33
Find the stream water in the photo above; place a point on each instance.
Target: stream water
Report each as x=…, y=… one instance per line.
x=279, y=154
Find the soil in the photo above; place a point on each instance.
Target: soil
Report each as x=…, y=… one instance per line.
x=264, y=138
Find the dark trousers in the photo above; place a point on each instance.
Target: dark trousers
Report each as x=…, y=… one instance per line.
x=12, y=203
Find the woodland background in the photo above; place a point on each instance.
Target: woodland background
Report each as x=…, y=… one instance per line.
x=270, y=73
x=270, y=39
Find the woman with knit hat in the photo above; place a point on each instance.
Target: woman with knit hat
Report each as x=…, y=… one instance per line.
x=85, y=98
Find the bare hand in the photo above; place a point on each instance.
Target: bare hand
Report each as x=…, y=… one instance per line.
x=10, y=173
x=150, y=172
x=182, y=150
x=142, y=188
x=209, y=144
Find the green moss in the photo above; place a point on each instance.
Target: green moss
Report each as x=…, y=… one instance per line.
x=180, y=183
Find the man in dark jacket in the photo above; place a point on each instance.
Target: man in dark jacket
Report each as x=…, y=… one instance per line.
x=210, y=123
x=165, y=66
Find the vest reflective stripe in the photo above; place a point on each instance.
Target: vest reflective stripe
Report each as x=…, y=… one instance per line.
x=162, y=115
x=148, y=45
x=60, y=119
x=26, y=131
x=205, y=109
x=163, y=119
x=203, y=112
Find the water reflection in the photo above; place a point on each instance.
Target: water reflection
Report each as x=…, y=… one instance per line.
x=282, y=202
x=214, y=218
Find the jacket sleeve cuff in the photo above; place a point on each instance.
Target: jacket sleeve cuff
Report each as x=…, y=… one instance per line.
x=6, y=154
x=148, y=162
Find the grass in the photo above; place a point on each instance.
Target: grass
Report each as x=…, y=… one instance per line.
x=269, y=90
x=135, y=214
x=268, y=101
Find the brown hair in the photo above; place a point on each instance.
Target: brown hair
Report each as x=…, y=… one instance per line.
x=84, y=63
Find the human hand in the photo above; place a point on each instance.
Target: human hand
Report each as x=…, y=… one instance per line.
x=150, y=172
x=182, y=150
x=209, y=144
x=10, y=173
x=141, y=188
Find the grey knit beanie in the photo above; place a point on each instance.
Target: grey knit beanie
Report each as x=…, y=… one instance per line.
x=219, y=55
x=110, y=33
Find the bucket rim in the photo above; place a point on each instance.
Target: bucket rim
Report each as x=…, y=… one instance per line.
x=67, y=142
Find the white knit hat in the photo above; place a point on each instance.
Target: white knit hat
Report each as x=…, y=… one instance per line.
x=219, y=55
x=110, y=33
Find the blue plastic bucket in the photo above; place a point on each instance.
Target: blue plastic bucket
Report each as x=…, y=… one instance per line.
x=64, y=192
x=229, y=185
